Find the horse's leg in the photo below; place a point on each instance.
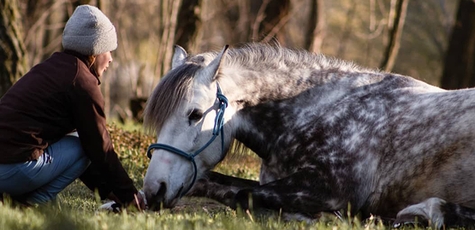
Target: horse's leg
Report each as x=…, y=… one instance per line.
x=436, y=212
x=230, y=180
x=234, y=192
x=219, y=187
x=301, y=196
x=305, y=192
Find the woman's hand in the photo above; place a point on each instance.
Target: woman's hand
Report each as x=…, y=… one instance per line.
x=140, y=201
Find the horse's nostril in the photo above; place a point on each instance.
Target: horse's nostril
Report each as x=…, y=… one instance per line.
x=156, y=201
x=162, y=190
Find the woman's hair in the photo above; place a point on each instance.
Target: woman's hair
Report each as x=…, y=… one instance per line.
x=91, y=59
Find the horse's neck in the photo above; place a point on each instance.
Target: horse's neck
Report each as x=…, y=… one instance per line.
x=255, y=86
x=257, y=93
x=268, y=102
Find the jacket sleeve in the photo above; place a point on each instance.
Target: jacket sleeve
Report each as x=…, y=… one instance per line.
x=106, y=173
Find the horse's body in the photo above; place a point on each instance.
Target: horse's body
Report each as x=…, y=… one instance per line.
x=329, y=134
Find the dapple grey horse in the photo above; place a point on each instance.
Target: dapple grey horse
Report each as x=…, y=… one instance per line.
x=330, y=134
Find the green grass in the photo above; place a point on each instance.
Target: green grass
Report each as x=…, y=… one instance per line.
x=74, y=212
x=76, y=206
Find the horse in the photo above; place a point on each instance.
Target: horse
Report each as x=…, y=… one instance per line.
x=332, y=136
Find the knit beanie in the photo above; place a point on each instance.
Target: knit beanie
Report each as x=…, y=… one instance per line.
x=89, y=32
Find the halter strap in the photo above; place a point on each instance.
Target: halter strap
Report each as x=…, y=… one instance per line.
x=217, y=129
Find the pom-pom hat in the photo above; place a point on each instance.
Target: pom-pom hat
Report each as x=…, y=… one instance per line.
x=89, y=32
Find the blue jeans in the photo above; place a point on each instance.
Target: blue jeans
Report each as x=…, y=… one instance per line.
x=39, y=181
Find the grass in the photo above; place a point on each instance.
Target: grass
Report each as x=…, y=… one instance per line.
x=76, y=206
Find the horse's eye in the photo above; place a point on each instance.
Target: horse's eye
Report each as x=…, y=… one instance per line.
x=195, y=115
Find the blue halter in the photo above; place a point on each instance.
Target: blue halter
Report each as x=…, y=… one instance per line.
x=217, y=129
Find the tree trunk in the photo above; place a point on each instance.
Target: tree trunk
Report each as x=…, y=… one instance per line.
x=459, y=66
x=12, y=49
x=168, y=10
x=188, y=25
x=270, y=20
x=316, y=30
x=395, y=33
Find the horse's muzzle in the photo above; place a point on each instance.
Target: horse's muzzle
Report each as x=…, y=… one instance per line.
x=157, y=201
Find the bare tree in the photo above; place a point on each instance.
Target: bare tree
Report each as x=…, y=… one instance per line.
x=347, y=29
x=168, y=21
x=395, y=32
x=12, y=49
x=269, y=22
x=316, y=30
x=188, y=24
x=459, y=66
x=44, y=21
x=231, y=18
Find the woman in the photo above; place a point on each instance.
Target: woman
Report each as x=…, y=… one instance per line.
x=56, y=97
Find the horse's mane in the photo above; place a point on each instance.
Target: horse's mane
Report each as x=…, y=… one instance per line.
x=248, y=54
x=167, y=96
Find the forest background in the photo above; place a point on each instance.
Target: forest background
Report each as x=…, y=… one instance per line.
x=431, y=40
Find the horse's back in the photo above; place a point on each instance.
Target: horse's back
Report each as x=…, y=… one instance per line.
x=429, y=150
x=408, y=140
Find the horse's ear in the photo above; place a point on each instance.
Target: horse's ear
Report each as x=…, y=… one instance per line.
x=179, y=56
x=212, y=69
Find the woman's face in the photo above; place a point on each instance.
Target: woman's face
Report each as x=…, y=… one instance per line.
x=102, y=62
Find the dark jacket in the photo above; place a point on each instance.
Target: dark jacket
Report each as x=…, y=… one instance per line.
x=54, y=98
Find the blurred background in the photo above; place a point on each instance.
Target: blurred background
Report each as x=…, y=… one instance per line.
x=431, y=40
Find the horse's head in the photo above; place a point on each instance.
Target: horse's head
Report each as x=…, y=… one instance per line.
x=187, y=110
